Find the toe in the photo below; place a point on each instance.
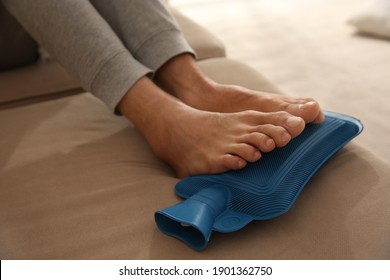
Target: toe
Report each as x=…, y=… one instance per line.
x=278, y=134
x=246, y=152
x=293, y=124
x=232, y=162
x=308, y=111
x=320, y=118
x=260, y=140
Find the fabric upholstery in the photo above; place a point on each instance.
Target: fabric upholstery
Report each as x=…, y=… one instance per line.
x=205, y=43
x=374, y=19
x=35, y=81
x=17, y=48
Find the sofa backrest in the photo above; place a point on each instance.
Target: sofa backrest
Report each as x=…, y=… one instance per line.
x=17, y=48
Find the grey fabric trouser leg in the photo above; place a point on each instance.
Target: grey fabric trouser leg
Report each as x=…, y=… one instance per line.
x=106, y=45
x=157, y=32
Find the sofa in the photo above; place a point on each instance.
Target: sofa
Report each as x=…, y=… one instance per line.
x=78, y=182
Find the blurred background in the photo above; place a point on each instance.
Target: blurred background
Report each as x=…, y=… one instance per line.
x=307, y=48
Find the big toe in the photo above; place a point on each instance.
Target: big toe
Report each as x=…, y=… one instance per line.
x=309, y=111
x=294, y=125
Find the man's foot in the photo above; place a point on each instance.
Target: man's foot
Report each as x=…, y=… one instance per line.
x=229, y=98
x=181, y=77
x=200, y=142
x=196, y=142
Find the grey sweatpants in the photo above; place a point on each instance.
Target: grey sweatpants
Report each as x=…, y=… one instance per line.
x=106, y=45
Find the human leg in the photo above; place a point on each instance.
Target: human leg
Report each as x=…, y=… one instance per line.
x=146, y=28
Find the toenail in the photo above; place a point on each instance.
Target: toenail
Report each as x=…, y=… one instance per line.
x=307, y=105
x=257, y=155
x=293, y=121
x=286, y=137
x=269, y=142
x=241, y=164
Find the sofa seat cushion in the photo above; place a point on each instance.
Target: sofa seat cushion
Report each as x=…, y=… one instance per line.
x=34, y=82
x=77, y=182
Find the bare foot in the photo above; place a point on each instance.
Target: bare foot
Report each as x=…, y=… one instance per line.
x=181, y=77
x=229, y=98
x=207, y=142
x=195, y=142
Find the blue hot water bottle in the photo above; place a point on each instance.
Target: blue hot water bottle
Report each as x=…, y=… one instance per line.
x=262, y=190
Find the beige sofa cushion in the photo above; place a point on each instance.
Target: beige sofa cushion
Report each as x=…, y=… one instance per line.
x=77, y=182
x=205, y=44
x=34, y=83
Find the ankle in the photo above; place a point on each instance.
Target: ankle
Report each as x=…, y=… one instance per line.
x=182, y=78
